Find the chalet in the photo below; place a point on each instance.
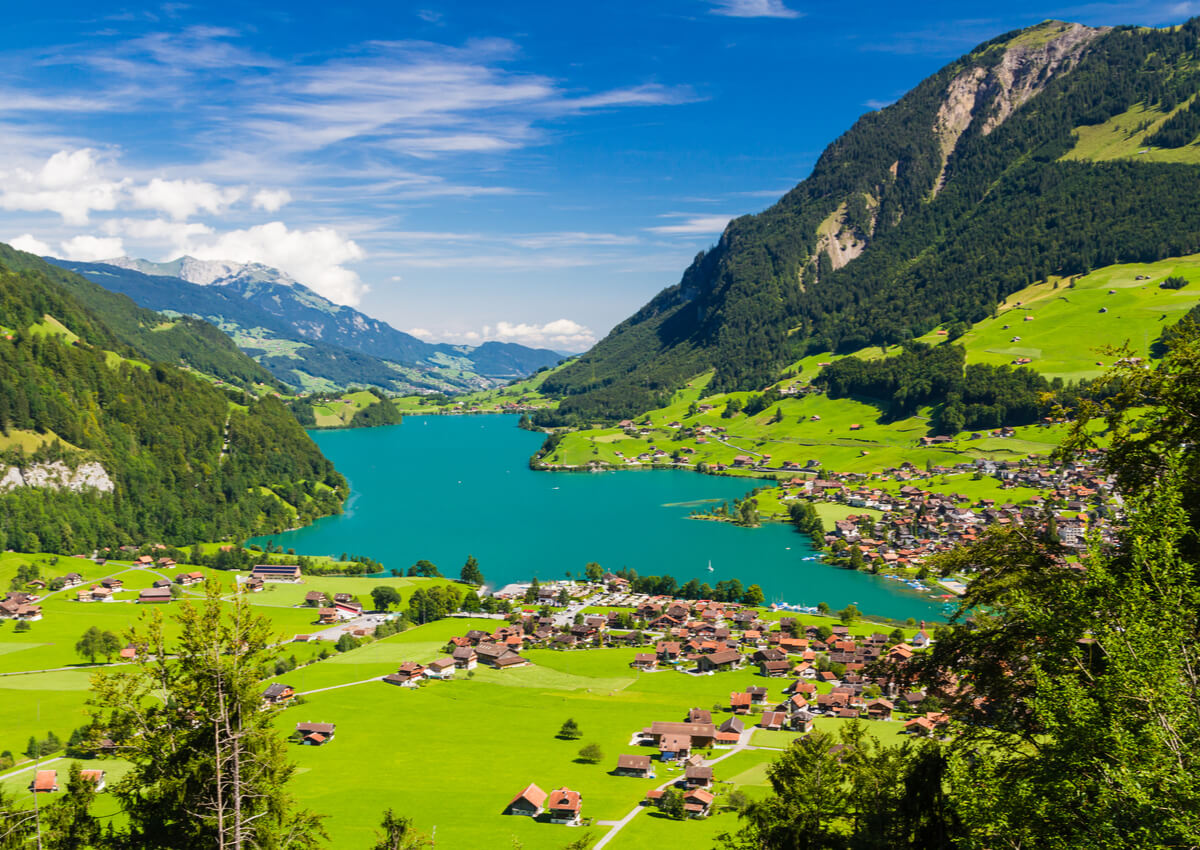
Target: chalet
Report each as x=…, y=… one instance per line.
x=465, y=658
x=644, y=661
x=726, y=659
x=697, y=802
x=253, y=585
x=72, y=580
x=528, y=802
x=343, y=597
x=316, y=734
x=697, y=734
x=758, y=696
x=188, y=579
x=314, y=597
x=772, y=669
x=44, y=782
x=144, y=561
x=739, y=701
x=154, y=595
x=698, y=777
x=699, y=715
x=96, y=777
x=442, y=668
x=729, y=732
x=668, y=651
x=880, y=709
x=327, y=616
x=641, y=767
x=277, y=572
x=504, y=662
x=162, y=582
x=802, y=721
x=278, y=694
x=672, y=747
x=772, y=720
x=112, y=584
x=564, y=806
x=94, y=594
x=408, y=675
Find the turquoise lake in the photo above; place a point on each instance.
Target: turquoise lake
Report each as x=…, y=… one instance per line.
x=444, y=487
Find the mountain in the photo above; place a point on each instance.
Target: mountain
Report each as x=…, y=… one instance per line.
x=1048, y=151
x=102, y=446
x=185, y=341
x=305, y=339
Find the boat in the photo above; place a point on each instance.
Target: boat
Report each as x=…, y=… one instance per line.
x=710, y=569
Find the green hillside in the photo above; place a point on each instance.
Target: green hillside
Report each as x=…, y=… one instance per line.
x=182, y=459
x=931, y=212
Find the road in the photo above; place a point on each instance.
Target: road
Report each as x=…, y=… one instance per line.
x=742, y=744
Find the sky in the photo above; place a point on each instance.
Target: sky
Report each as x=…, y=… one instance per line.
x=523, y=171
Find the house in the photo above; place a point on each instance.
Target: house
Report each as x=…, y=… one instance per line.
x=772, y=720
x=442, y=668
x=729, y=732
x=739, y=701
x=188, y=579
x=276, y=572
x=802, y=721
x=673, y=746
x=94, y=594
x=510, y=660
x=698, y=777
x=314, y=597
x=699, y=715
x=96, y=777
x=880, y=709
x=465, y=658
x=154, y=595
x=72, y=580
x=698, y=734
x=316, y=734
x=44, y=782
x=668, y=651
x=528, y=802
x=771, y=669
x=726, y=659
x=278, y=694
x=410, y=673
x=112, y=584
x=641, y=767
x=327, y=616
x=696, y=803
x=253, y=585
x=644, y=661
x=564, y=806
x=162, y=582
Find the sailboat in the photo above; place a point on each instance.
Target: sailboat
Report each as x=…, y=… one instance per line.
x=710, y=569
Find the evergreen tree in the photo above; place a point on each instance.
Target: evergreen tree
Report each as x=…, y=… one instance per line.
x=570, y=730
x=471, y=574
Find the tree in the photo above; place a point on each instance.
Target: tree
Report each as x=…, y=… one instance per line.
x=823, y=608
x=591, y=753
x=346, y=643
x=425, y=569
x=22, y=626
x=399, y=834
x=570, y=730
x=68, y=823
x=33, y=749
x=384, y=597
x=849, y=614
x=471, y=574
x=671, y=803
x=753, y=596
x=90, y=645
x=593, y=571
x=208, y=767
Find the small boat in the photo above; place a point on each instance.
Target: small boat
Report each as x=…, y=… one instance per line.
x=710, y=569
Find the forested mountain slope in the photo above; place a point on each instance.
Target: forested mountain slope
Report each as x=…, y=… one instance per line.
x=186, y=461
x=927, y=213
x=182, y=341
x=304, y=339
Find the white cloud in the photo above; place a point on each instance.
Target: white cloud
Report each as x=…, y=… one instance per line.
x=561, y=333
x=315, y=257
x=753, y=9
x=177, y=233
x=27, y=242
x=68, y=183
x=692, y=225
x=182, y=199
x=421, y=333
x=272, y=200
x=90, y=249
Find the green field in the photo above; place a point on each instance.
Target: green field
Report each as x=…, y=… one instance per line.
x=1120, y=137
x=337, y=413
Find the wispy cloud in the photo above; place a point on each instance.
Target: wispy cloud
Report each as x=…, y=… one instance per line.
x=753, y=9
x=692, y=225
x=560, y=334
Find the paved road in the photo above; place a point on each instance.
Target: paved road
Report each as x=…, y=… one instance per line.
x=28, y=766
x=742, y=744
x=336, y=687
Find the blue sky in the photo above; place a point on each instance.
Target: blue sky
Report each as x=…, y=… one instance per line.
x=526, y=171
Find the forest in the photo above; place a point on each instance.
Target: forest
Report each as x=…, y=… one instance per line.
x=189, y=461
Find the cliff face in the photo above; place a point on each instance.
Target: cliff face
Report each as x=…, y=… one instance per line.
x=57, y=476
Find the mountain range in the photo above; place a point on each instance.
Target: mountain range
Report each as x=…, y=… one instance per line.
x=1044, y=152
x=302, y=338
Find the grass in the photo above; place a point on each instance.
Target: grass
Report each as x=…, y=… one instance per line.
x=1122, y=137
x=337, y=413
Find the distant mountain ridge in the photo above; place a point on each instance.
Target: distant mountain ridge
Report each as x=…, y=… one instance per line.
x=303, y=338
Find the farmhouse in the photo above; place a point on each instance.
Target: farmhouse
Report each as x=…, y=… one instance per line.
x=697, y=803
x=276, y=572
x=410, y=673
x=97, y=777
x=564, y=806
x=253, y=585
x=644, y=661
x=641, y=767
x=465, y=658
x=44, y=782
x=278, y=694
x=316, y=734
x=528, y=802
x=113, y=584
x=698, y=777
x=72, y=580
x=442, y=668
x=188, y=579
x=772, y=720
x=154, y=595
x=726, y=659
